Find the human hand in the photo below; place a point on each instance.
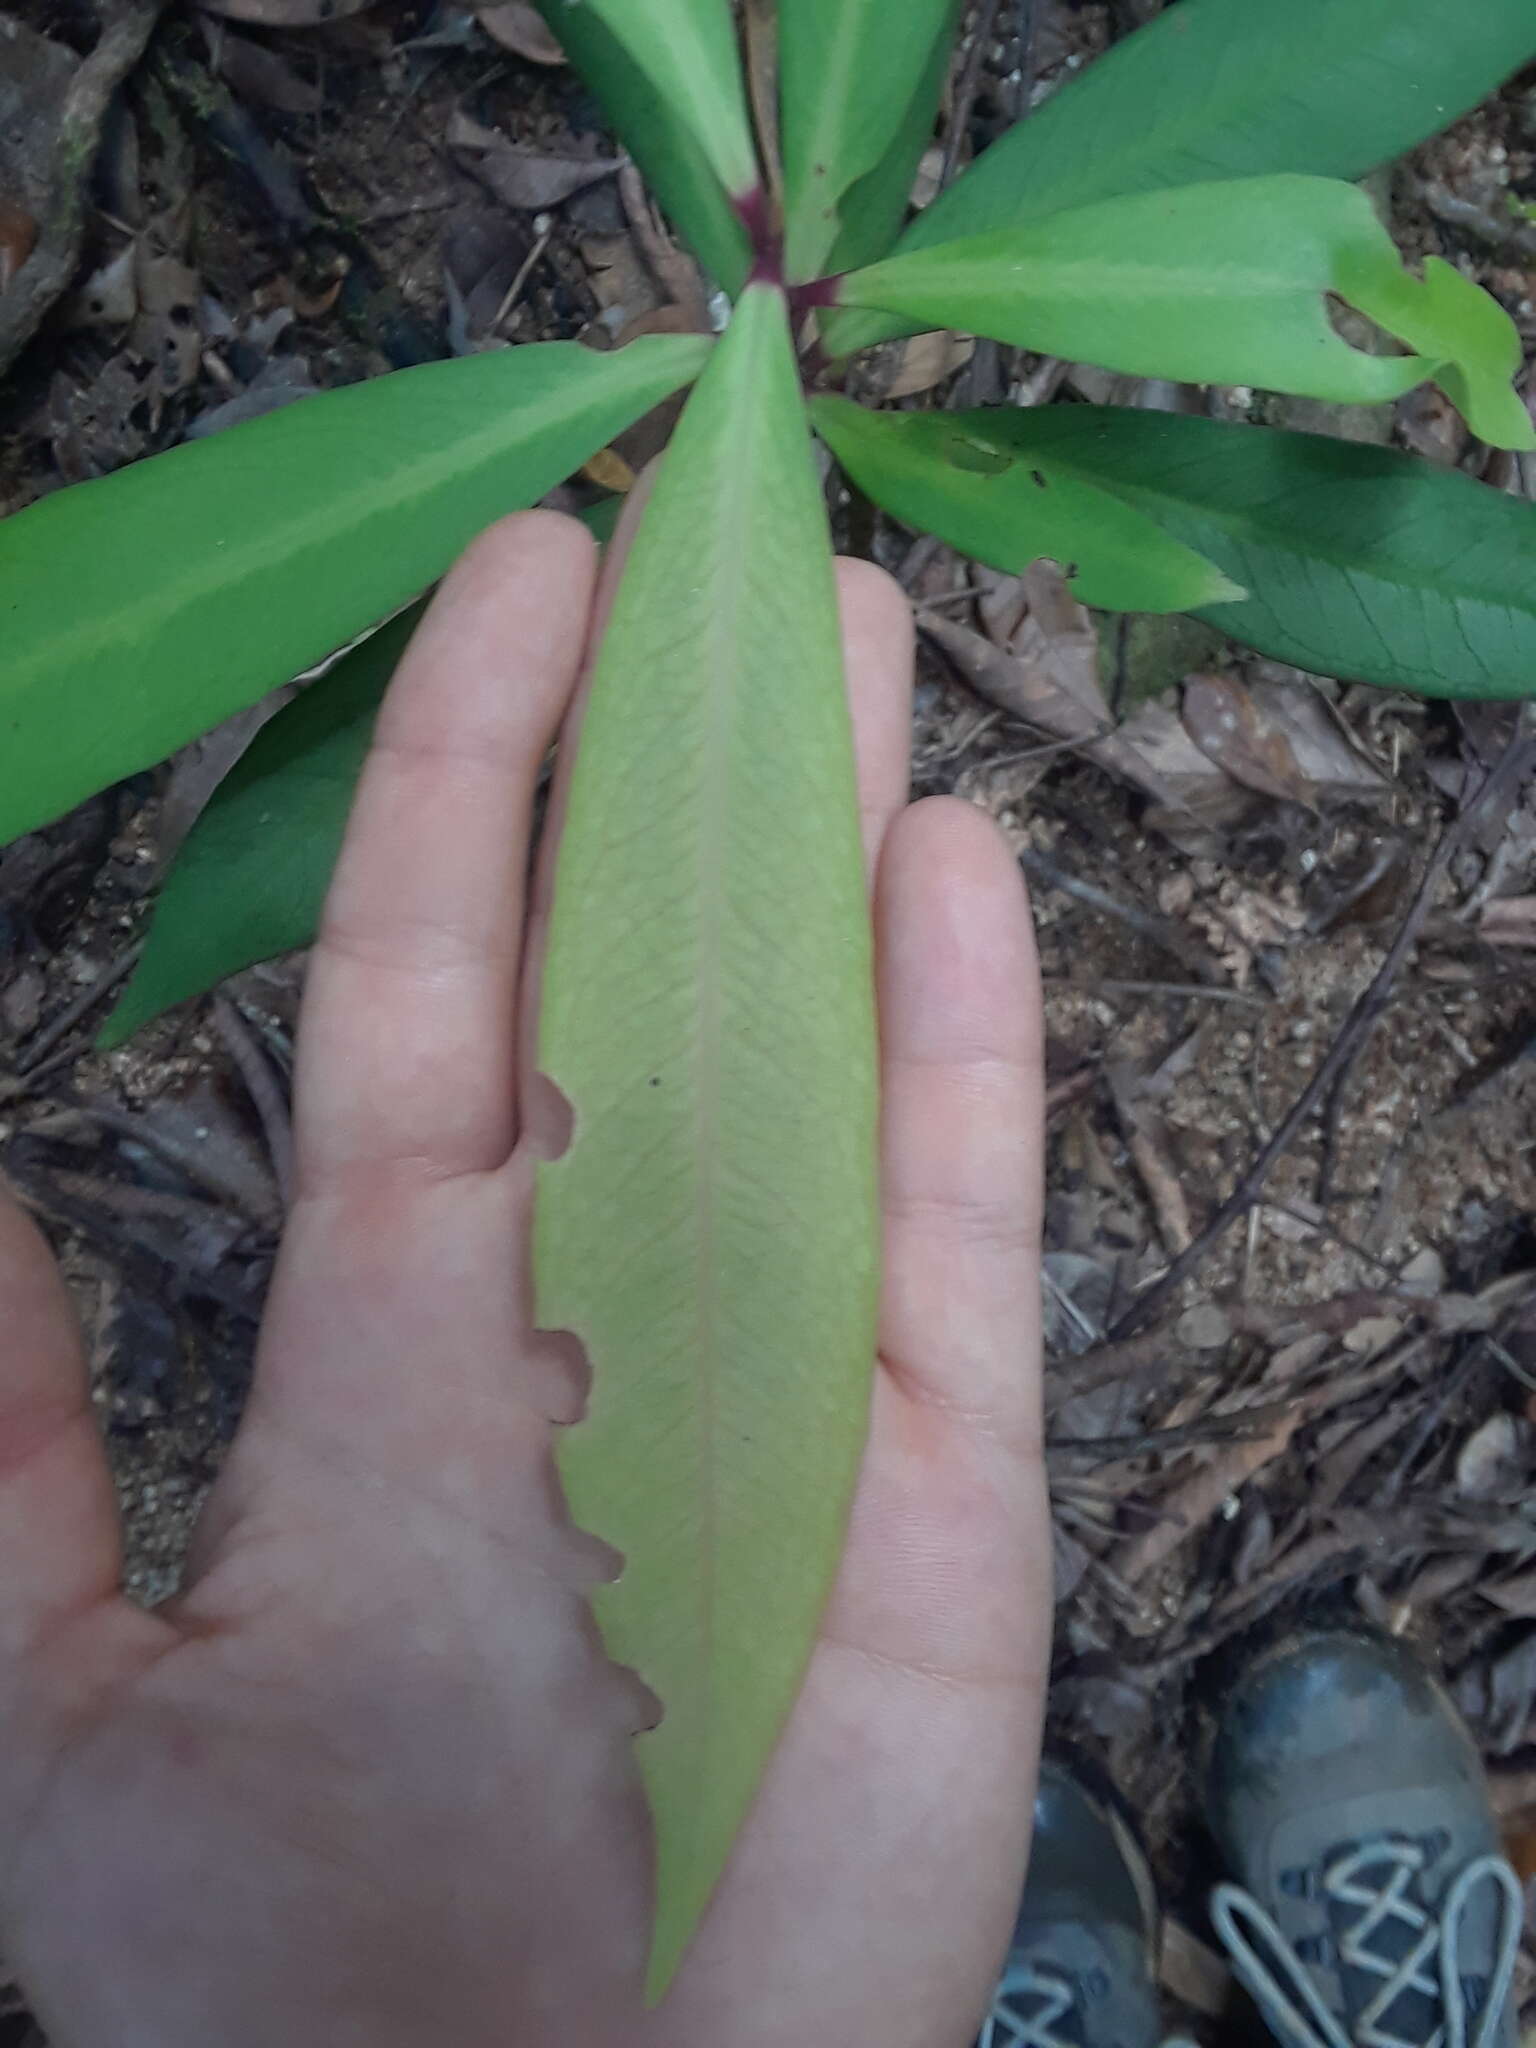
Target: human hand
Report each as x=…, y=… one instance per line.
x=369, y=1778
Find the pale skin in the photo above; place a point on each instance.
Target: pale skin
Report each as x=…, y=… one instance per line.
x=369, y=1778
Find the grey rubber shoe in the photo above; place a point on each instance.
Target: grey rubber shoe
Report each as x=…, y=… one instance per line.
x=1080, y=1970
x=1372, y=1908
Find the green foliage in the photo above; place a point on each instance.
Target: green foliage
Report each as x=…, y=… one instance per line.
x=957, y=474
x=250, y=880
x=873, y=209
x=1359, y=561
x=850, y=76
x=1218, y=89
x=707, y=1009
x=142, y=609
x=658, y=134
x=711, y=1234
x=686, y=51
x=1220, y=284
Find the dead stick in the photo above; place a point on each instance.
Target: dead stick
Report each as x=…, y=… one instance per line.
x=1511, y=769
x=965, y=93
x=44, y=277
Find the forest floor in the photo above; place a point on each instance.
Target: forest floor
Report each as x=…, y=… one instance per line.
x=1334, y=1414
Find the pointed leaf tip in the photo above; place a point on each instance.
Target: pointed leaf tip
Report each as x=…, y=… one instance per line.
x=711, y=1233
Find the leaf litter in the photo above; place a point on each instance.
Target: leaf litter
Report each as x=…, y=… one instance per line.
x=1338, y=1414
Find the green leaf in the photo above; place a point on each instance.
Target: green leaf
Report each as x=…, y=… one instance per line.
x=687, y=51
x=1360, y=562
x=849, y=77
x=250, y=879
x=1212, y=284
x=660, y=138
x=1217, y=89
x=142, y=609
x=957, y=474
x=1447, y=316
x=711, y=1233
x=874, y=208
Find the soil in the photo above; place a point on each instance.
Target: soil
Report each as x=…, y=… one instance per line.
x=1336, y=1414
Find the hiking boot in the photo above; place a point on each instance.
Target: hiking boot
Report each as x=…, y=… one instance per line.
x=1372, y=1908
x=1080, y=1970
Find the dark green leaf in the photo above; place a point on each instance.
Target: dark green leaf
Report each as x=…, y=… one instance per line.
x=1360, y=562
x=850, y=76
x=251, y=878
x=1218, y=284
x=956, y=475
x=687, y=51
x=138, y=611
x=660, y=140
x=873, y=209
x=1217, y=89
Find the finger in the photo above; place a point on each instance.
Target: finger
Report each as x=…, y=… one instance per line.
x=60, y=1548
x=887, y=1847
x=877, y=635
x=407, y=1047
x=962, y=1119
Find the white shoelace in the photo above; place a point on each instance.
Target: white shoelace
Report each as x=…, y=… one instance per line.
x=1054, y=1996
x=1376, y=1880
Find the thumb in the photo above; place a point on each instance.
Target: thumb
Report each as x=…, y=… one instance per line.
x=60, y=1546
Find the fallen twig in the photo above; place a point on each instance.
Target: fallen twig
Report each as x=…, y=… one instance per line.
x=45, y=276
x=1512, y=767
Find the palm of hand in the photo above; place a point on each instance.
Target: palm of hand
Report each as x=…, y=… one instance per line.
x=369, y=1779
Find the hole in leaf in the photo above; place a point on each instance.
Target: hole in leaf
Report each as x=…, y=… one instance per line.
x=563, y=1372
x=549, y=1120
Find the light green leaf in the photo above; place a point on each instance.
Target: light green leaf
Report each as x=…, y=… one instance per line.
x=1212, y=284
x=1217, y=89
x=849, y=76
x=1445, y=315
x=959, y=475
x=687, y=50
x=874, y=208
x=1360, y=562
x=142, y=609
x=250, y=879
x=711, y=1233
x=660, y=138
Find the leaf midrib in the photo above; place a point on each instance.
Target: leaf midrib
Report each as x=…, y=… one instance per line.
x=139, y=619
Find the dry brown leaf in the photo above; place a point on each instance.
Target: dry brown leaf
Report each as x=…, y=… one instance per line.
x=109, y=297
x=35, y=74
x=1050, y=680
x=1516, y=1595
x=926, y=360
x=1226, y=724
x=261, y=75
x=166, y=333
x=1494, y=1459
x=610, y=470
x=284, y=13
x=1509, y=921
x=1190, y=1506
x=18, y=237
x=522, y=30
x=530, y=179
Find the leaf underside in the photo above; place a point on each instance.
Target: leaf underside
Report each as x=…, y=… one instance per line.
x=250, y=879
x=142, y=609
x=1218, y=89
x=1219, y=284
x=1360, y=562
x=711, y=1233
